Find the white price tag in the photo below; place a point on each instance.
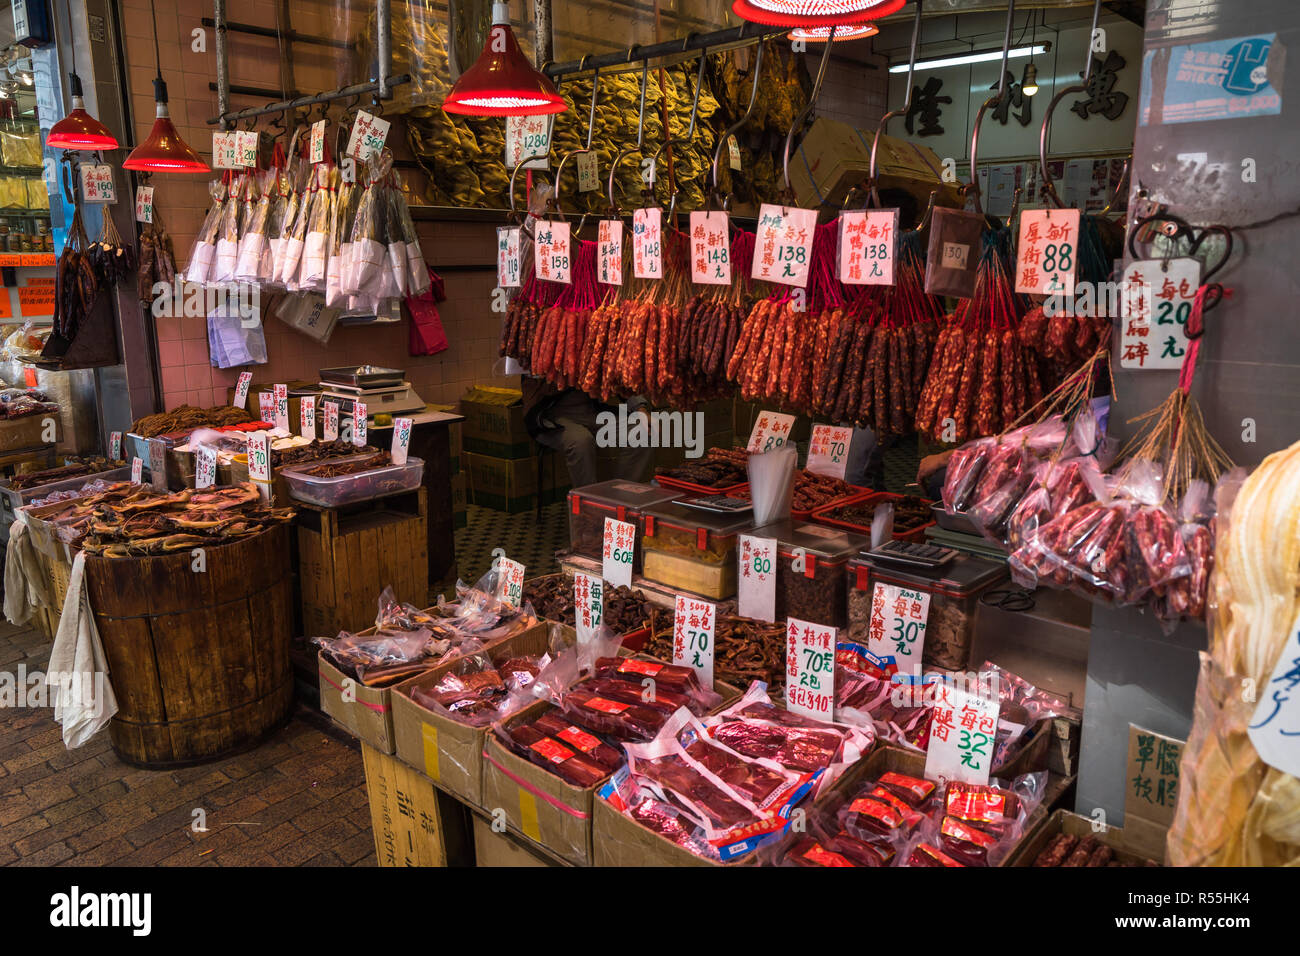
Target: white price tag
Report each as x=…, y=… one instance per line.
x=241, y=389
x=368, y=136
x=157, y=464
x=896, y=628
x=528, y=137
x=401, y=440
x=733, y=152
x=246, y=147
x=1275, y=725
x=137, y=470
x=266, y=407
x=115, y=446
x=588, y=173
x=97, y=184
x=205, y=467
x=828, y=450
x=868, y=243
x=648, y=243
x=509, y=259
x=551, y=259
x=259, y=463
x=694, y=621
x=1156, y=300
x=360, y=423
x=510, y=581
x=318, y=141
x=963, y=730
x=772, y=430
x=710, y=248
x=225, y=151
x=757, y=578
x=809, y=669
x=588, y=605
x=144, y=204
x=1047, y=254
x=330, y=427
x=783, y=244
x=307, y=417
x=281, y=393
x=618, y=551
x=609, y=252
x=955, y=255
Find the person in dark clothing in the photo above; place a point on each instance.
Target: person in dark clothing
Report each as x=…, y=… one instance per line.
x=566, y=421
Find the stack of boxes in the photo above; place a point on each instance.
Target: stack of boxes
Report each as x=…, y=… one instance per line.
x=459, y=480
x=501, y=458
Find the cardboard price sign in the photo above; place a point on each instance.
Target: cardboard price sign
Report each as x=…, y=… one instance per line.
x=868, y=244
x=757, y=578
x=963, y=729
x=360, y=423
x=828, y=450
x=648, y=243
x=588, y=605
x=609, y=252
x=551, y=259
x=115, y=446
x=510, y=264
x=368, y=136
x=1156, y=298
x=307, y=417
x=281, y=393
x=241, y=389
x=510, y=581
x=588, y=173
x=318, y=141
x=97, y=184
x=618, y=550
x=205, y=467
x=810, y=669
x=246, y=147
x=225, y=151
x=896, y=628
x=1276, y=722
x=330, y=429
x=1151, y=785
x=783, y=246
x=1047, y=255
x=772, y=430
x=401, y=440
x=710, y=248
x=528, y=138
x=158, y=465
x=144, y=204
x=693, y=623
x=137, y=470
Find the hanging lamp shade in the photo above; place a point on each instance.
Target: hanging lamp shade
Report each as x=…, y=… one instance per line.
x=79, y=130
x=502, y=82
x=851, y=31
x=164, y=151
x=814, y=13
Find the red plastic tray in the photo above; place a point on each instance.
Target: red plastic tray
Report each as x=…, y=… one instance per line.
x=679, y=485
x=798, y=514
x=820, y=515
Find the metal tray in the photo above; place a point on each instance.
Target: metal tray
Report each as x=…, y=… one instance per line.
x=363, y=376
x=958, y=522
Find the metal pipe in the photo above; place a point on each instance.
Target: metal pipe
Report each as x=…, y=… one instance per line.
x=974, y=185
x=290, y=36
x=874, y=195
x=544, y=42
x=384, y=44
x=698, y=41
x=812, y=101
x=1049, y=187
x=284, y=106
x=735, y=127
x=223, y=63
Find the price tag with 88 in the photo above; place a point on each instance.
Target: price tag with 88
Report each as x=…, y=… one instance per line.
x=619, y=549
x=694, y=621
x=896, y=628
x=1048, y=251
x=783, y=244
x=509, y=259
x=868, y=240
x=772, y=430
x=588, y=605
x=710, y=248
x=757, y=581
x=963, y=731
x=810, y=668
x=401, y=440
x=551, y=256
x=609, y=252
x=647, y=243
x=588, y=173
x=510, y=581
x=1156, y=302
x=828, y=450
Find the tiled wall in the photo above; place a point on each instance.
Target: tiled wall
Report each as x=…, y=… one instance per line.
x=852, y=93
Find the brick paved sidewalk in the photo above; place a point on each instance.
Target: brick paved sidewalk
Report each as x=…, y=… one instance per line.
x=299, y=799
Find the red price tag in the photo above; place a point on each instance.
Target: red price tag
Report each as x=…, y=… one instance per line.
x=609, y=252
x=710, y=248
x=647, y=243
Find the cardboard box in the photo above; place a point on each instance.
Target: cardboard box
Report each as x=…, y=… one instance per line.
x=502, y=849
x=448, y=752
x=1151, y=781
x=510, y=485
x=404, y=813
x=494, y=423
x=1063, y=821
x=28, y=432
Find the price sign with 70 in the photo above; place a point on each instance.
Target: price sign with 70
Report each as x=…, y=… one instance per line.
x=810, y=668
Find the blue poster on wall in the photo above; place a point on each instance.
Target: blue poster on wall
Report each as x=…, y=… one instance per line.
x=1219, y=79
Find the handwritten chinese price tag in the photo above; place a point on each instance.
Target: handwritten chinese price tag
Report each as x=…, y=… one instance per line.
x=588, y=173
x=528, y=138
x=956, y=255
x=318, y=141
x=710, y=248
x=868, y=240
x=246, y=147
x=1156, y=298
x=115, y=446
x=97, y=184
x=137, y=470
x=281, y=393
x=259, y=463
x=509, y=260
x=609, y=252
x=241, y=389
x=510, y=581
x=772, y=430
x=401, y=440
x=619, y=548
x=783, y=245
x=266, y=407
x=588, y=605
x=368, y=136
x=307, y=417
x=158, y=464
x=330, y=428
x=144, y=204
x=896, y=628
x=963, y=728
x=225, y=151
x=693, y=624
x=1048, y=251
x=733, y=153
x=757, y=584
x=205, y=467
x=551, y=259
x=647, y=243
x=360, y=423
x=828, y=450
x=809, y=668
x=1275, y=726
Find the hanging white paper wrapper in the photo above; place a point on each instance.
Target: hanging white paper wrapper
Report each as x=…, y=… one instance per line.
x=204, y=250
x=417, y=270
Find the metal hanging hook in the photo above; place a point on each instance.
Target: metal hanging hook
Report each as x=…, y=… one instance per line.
x=640, y=134
x=591, y=126
x=735, y=127
x=973, y=187
x=804, y=113
x=1049, y=187
x=687, y=141
x=873, y=194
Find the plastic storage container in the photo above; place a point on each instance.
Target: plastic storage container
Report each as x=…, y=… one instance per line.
x=864, y=509
x=954, y=593
x=815, y=593
x=622, y=500
x=345, y=489
x=692, y=550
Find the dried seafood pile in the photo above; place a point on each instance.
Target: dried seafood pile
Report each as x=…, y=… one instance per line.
x=188, y=417
x=337, y=469
x=71, y=468
x=744, y=649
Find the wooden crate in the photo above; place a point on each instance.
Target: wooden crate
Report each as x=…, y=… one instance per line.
x=348, y=555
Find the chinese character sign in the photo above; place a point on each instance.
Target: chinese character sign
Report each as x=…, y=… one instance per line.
x=144, y=204
x=318, y=141
x=205, y=467
x=510, y=581
x=401, y=440
x=896, y=627
x=1156, y=298
x=647, y=243
x=693, y=623
x=710, y=248
x=137, y=470
x=868, y=240
x=756, y=596
x=307, y=417
x=97, y=184
x=158, y=464
x=828, y=450
x=509, y=258
x=528, y=138
x=330, y=429
x=115, y=446
x=360, y=423
x=368, y=135
x=771, y=430
x=617, y=552
x=1151, y=778
x=783, y=244
x=588, y=172
x=588, y=605
x=259, y=463
x=551, y=259
x=1048, y=251
x=809, y=668
x=266, y=407
x=281, y=393
x=609, y=252
x=246, y=147
x=963, y=730
x=1275, y=726
x=241, y=389
x=225, y=152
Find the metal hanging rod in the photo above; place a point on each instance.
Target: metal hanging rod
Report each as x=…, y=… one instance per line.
x=284, y=106
x=291, y=36
x=747, y=32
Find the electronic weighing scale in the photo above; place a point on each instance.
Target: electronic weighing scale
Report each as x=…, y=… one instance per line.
x=385, y=391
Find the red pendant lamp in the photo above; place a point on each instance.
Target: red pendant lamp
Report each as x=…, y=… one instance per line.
x=502, y=82
x=164, y=151
x=814, y=13
x=79, y=130
x=852, y=31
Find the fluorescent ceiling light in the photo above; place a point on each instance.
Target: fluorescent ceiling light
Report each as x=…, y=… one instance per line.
x=979, y=56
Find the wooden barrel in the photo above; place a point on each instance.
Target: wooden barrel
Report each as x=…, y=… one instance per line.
x=198, y=659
